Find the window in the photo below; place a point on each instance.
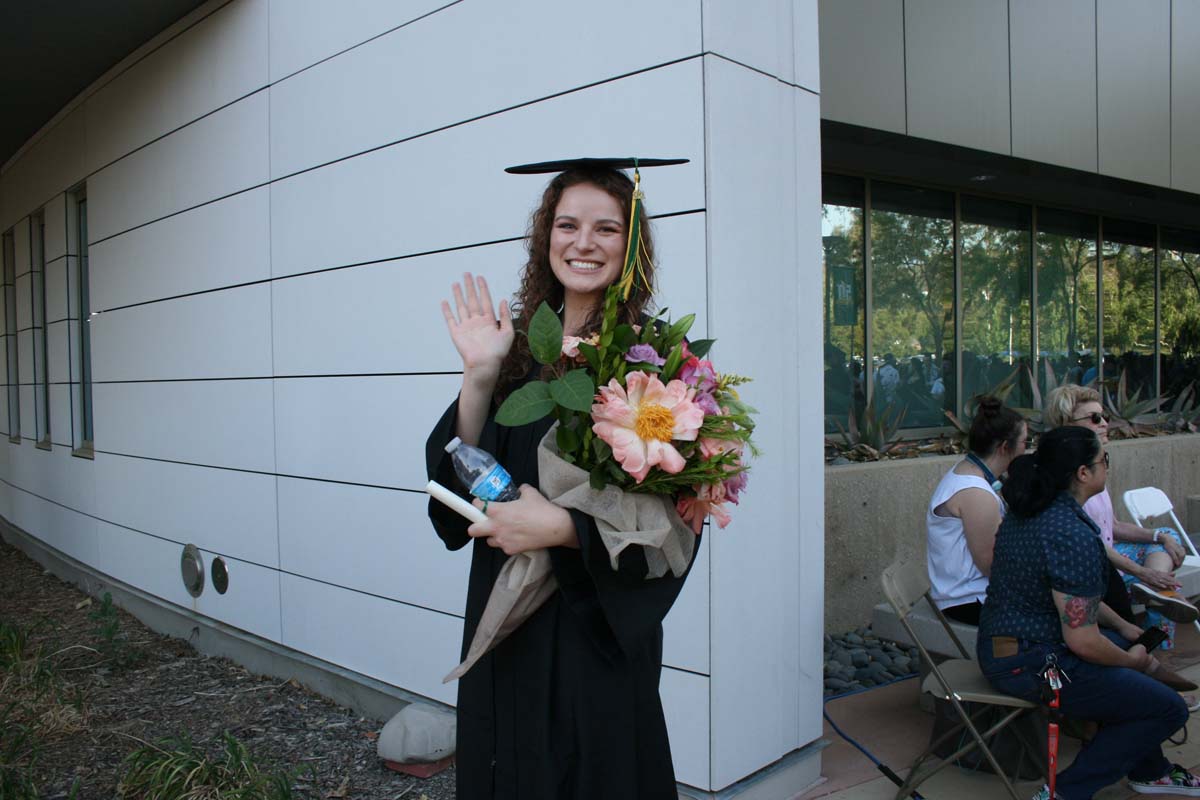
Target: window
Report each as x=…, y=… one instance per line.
x=1066, y=281
x=12, y=376
x=844, y=306
x=1179, y=267
x=929, y=298
x=996, y=268
x=912, y=313
x=1127, y=305
x=41, y=377
x=81, y=378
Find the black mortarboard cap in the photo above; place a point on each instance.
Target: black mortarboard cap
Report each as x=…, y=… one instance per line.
x=565, y=164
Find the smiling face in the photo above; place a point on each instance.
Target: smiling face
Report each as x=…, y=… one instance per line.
x=587, y=243
x=1083, y=415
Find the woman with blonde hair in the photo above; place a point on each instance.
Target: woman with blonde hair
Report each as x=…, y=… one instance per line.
x=1146, y=558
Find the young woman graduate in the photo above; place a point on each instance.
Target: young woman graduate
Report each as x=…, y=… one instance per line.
x=567, y=706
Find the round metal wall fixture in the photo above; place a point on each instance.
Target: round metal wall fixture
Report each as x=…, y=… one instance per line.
x=191, y=566
x=220, y=575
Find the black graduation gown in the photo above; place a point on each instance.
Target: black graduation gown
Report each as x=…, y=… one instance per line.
x=567, y=707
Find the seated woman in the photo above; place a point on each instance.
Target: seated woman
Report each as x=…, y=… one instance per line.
x=1146, y=558
x=1043, y=601
x=965, y=511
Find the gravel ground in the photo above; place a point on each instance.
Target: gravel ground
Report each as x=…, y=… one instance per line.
x=860, y=660
x=137, y=686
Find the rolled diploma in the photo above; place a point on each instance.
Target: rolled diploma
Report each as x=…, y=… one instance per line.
x=454, y=502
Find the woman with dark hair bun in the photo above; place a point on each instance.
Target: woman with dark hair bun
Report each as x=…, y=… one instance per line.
x=965, y=511
x=1043, y=605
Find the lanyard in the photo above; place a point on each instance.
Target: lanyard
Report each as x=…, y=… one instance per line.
x=992, y=480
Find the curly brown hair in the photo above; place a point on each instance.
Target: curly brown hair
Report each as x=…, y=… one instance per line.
x=539, y=285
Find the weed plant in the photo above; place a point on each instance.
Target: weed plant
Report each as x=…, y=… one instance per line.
x=177, y=769
x=113, y=646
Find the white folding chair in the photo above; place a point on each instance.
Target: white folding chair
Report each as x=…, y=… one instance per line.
x=1148, y=502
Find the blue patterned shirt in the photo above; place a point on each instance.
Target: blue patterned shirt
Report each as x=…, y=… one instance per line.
x=1059, y=548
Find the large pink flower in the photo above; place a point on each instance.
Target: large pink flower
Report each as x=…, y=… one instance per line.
x=640, y=420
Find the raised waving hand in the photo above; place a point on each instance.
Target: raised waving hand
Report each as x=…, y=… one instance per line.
x=481, y=336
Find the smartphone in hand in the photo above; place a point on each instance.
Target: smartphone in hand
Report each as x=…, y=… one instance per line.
x=1151, y=638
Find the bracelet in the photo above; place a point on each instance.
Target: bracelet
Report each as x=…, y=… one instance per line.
x=1156, y=536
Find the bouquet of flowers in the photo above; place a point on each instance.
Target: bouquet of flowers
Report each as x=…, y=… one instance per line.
x=641, y=409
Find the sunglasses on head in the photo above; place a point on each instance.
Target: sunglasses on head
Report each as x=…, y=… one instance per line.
x=1095, y=418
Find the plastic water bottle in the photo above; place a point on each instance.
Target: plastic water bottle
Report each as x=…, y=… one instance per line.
x=479, y=470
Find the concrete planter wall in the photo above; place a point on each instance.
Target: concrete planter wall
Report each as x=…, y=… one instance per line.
x=875, y=513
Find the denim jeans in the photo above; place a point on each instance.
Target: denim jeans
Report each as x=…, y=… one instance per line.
x=1136, y=712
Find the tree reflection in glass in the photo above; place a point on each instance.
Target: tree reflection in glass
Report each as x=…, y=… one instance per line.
x=1128, y=285
x=1180, y=302
x=844, y=303
x=997, y=340
x=912, y=253
x=1066, y=244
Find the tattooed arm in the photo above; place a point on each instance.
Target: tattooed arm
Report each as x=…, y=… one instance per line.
x=1079, y=616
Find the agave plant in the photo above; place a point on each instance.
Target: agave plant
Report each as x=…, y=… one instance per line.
x=1184, y=413
x=1000, y=391
x=1131, y=416
x=870, y=433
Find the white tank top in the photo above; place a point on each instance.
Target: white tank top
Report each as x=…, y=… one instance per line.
x=952, y=572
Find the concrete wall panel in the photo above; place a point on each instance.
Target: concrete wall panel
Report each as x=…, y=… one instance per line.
x=220, y=510
x=55, y=213
x=314, y=621
x=57, y=306
x=1133, y=81
x=217, y=60
x=216, y=245
x=186, y=343
x=1054, y=82
x=758, y=34
x=385, y=544
x=309, y=110
x=957, y=72
x=60, y=414
x=213, y=423
x=862, y=63
x=1185, y=96
x=223, y=153
x=685, y=699
x=50, y=165
x=414, y=197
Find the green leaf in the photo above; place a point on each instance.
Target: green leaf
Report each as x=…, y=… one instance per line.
x=674, y=362
x=624, y=337
x=567, y=441
x=545, y=335
x=614, y=469
x=591, y=354
x=700, y=347
x=680, y=329
x=528, y=404
x=574, y=390
x=601, y=449
x=596, y=477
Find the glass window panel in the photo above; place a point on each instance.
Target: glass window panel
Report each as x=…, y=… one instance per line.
x=844, y=306
x=1128, y=310
x=1066, y=264
x=1180, y=269
x=996, y=329
x=912, y=322
x=10, y=334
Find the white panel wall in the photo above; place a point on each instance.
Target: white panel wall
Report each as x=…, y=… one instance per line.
x=761, y=35
x=460, y=83
x=52, y=164
x=1185, y=96
x=1054, y=82
x=862, y=63
x=216, y=245
x=459, y=172
x=763, y=707
x=214, y=62
x=1133, y=81
x=56, y=227
x=957, y=73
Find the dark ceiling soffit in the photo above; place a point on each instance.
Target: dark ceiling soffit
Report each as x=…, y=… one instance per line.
x=866, y=151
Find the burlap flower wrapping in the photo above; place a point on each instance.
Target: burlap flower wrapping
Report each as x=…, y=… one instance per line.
x=526, y=580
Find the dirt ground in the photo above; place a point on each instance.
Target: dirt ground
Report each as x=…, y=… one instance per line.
x=134, y=686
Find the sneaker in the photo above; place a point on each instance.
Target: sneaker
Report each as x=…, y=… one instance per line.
x=1166, y=602
x=1044, y=794
x=1193, y=703
x=1178, y=781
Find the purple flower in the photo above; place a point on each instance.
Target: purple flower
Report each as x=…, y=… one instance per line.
x=698, y=373
x=734, y=486
x=644, y=354
x=707, y=403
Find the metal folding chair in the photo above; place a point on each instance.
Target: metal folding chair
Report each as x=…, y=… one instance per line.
x=956, y=680
x=1144, y=505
